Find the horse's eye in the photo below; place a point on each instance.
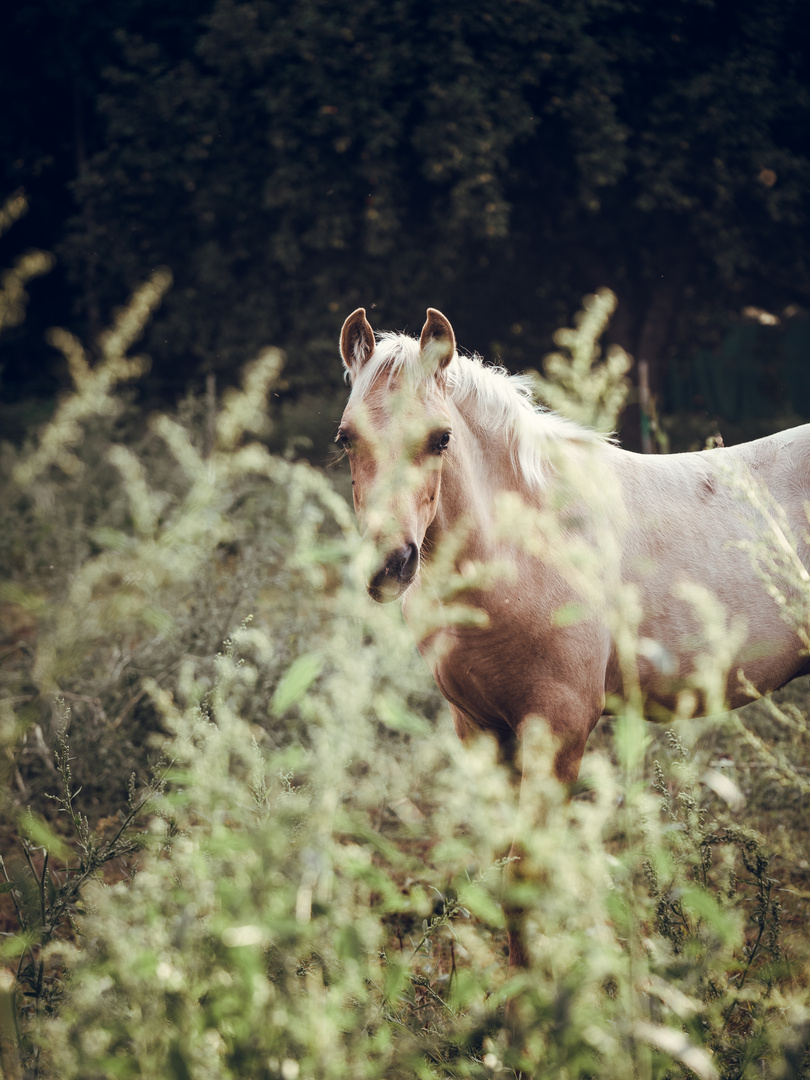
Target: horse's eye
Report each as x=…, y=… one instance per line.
x=443, y=442
x=343, y=440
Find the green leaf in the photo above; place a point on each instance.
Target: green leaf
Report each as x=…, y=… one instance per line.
x=294, y=684
x=157, y=618
x=112, y=539
x=396, y=975
x=397, y=717
x=12, y=593
x=701, y=903
x=483, y=906
x=41, y=835
x=569, y=615
x=16, y=945
x=348, y=943
x=630, y=737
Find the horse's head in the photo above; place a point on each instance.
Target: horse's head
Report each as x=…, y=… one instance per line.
x=396, y=430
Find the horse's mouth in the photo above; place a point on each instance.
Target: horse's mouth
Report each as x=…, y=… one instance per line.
x=386, y=587
x=396, y=574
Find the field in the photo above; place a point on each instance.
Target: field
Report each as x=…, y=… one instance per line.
x=240, y=838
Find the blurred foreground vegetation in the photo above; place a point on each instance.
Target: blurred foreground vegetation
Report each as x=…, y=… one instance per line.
x=240, y=838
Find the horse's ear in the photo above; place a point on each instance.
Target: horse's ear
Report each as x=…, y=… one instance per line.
x=438, y=342
x=356, y=341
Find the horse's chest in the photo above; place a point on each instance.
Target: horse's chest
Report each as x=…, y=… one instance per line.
x=472, y=682
x=522, y=663
x=490, y=675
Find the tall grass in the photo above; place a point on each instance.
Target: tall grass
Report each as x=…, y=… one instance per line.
x=304, y=877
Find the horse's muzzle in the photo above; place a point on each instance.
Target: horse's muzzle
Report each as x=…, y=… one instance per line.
x=397, y=573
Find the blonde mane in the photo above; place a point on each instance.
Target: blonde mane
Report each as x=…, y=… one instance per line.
x=488, y=396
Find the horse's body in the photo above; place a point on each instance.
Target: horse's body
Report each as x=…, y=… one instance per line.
x=455, y=473
x=435, y=442
x=678, y=522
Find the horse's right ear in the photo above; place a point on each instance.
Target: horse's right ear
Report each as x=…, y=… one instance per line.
x=356, y=341
x=437, y=343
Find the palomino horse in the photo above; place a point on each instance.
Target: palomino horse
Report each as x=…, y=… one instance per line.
x=455, y=472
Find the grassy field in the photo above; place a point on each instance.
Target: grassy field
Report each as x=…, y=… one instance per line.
x=240, y=838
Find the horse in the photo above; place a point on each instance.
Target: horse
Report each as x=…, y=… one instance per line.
x=554, y=537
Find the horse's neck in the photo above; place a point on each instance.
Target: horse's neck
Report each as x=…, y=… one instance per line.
x=582, y=480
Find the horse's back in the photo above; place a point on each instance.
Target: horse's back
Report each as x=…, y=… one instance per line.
x=727, y=488
x=710, y=519
x=782, y=463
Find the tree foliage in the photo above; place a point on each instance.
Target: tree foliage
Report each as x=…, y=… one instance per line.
x=289, y=161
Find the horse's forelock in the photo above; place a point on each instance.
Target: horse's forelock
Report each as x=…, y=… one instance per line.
x=395, y=355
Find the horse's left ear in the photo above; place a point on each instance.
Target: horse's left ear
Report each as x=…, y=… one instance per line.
x=356, y=341
x=438, y=342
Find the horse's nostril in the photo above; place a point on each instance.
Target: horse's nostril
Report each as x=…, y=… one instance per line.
x=410, y=561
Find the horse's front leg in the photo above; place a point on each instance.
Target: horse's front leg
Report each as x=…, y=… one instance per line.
x=568, y=718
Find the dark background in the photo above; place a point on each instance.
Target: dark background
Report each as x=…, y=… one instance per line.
x=498, y=160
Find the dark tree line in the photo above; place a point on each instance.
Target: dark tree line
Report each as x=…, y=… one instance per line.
x=290, y=160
